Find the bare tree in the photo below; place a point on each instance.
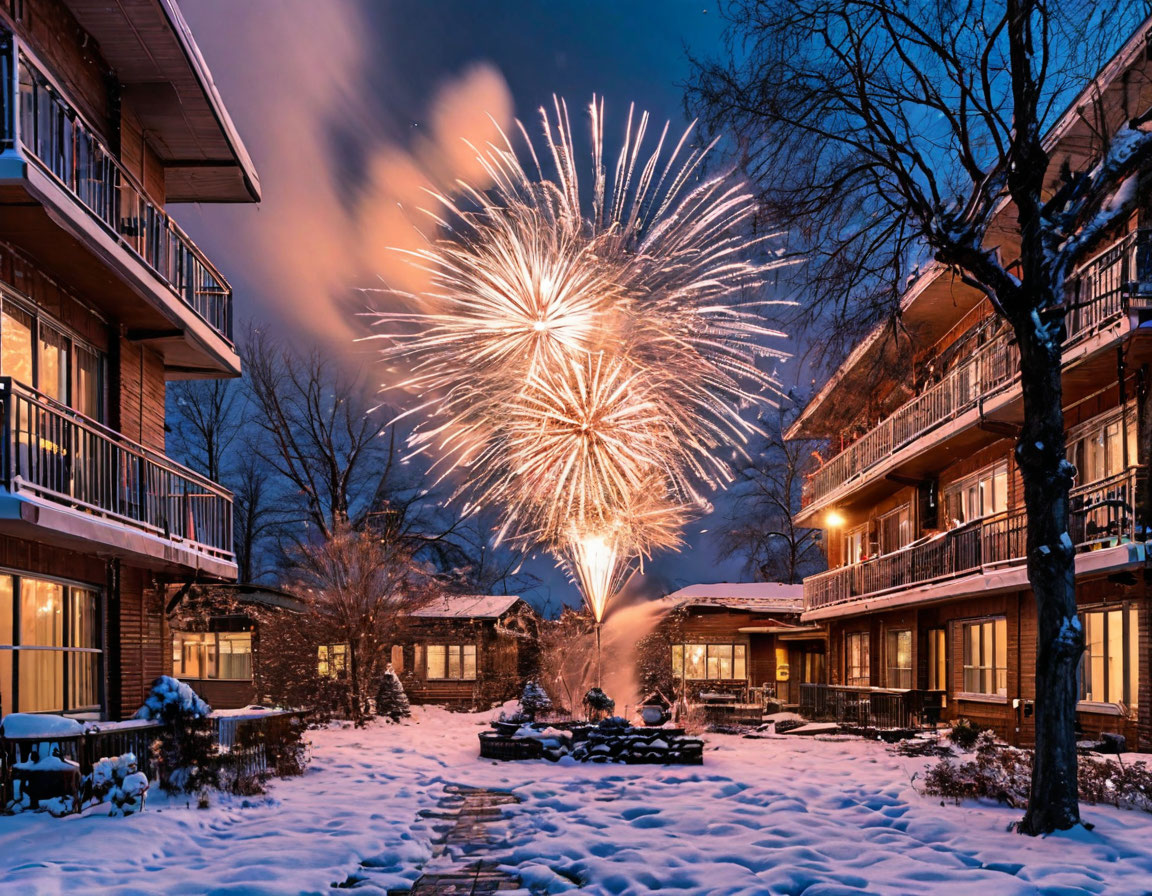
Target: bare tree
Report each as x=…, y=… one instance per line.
x=884, y=133
x=759, y=527
x=361, y=589
x=254, y=519
x=207, y=423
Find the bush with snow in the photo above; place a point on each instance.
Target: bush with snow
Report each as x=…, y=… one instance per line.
x=534, y=700
x=186, y=753
x=170, y=699
x=391, y=701
x=118, y=780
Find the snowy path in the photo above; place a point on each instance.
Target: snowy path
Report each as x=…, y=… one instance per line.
x=786, y=815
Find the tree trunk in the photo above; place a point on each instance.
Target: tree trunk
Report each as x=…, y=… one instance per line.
x=354, y=682
x=1053, y=802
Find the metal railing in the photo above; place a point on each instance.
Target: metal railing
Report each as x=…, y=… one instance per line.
x=35, y=116
x=1100, y=291
x=864, y=707
x=991, y=367
x=1102, y=514
x=61, y=456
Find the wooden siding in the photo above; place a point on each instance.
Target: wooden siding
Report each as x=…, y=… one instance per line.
x=1014, y=724
x=24, y=277
x=145, y=652
x=139, y=394
x=139, y=157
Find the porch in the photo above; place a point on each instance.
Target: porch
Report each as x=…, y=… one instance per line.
x=867, y=707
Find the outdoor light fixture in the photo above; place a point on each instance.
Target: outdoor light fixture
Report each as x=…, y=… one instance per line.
x=834, y=519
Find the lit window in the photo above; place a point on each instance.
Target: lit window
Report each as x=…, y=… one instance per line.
x=986, y=657
x=937, y=660
x=332, y=660
x=857, y=659
x=899, y=659
x=218, y=655
x=1110, y=666
x=980, y=495
x=710, y=662
x=454, y=662
x=61, y=625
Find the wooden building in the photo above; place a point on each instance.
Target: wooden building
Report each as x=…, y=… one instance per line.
x=215, y=638
x=921, y=500
x=466, y=650
x=107, y=115
x=740, y=638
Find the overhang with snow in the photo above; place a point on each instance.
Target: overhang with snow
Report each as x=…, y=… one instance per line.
x=468, y=606
x=753, y=597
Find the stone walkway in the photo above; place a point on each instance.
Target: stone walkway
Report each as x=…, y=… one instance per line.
x=466, y=813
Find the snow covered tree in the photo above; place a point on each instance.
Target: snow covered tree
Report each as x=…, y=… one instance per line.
x=884, y=133
x=391, y=701
x=534, y=699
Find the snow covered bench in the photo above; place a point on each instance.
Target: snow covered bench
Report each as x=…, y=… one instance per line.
x=41, y=764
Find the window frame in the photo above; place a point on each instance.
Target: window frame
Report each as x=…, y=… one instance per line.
x=956, y=494
x=858, y=660
x=904, y=673
x=67, y=654
x=214, y=668
x=453, y=654
x=737, y=658
x=42, y=323
x=1128, y=699
x=999, y=650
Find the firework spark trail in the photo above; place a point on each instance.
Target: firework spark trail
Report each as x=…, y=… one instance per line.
x=586, y=372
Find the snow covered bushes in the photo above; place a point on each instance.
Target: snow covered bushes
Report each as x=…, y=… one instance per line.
x=1004, y=774
x=186, y=754
x=391, y=701
x=598, y=705
x=118, y=781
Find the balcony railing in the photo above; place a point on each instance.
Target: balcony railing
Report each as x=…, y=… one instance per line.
x=35, y=116
x=63, y=457
x=1101, y=290
x=1102, y=514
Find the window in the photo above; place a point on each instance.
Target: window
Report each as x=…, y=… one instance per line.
x=454, y=662
x=397, y=658
x=855, y=545
x=978, y=496
x=219, y=655
x=41, y=355
x=332, y=660
x=857, y=659
x=937, y=659
x=1104, y=446
x=986, y=657
x=898, y=655
x=50, y=646
x=896, y=529
x=1110, y=666
x=710, y=662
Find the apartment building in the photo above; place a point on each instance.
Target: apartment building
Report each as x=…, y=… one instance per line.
x=921, y=502
x=107, y=114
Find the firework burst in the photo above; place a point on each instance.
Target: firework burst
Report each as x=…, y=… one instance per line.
x=586, y=371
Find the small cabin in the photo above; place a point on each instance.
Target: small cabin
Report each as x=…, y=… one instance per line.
x=214, y=634
x=743, y=639
x=466, y=650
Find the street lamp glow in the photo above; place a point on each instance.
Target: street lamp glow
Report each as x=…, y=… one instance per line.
x=834, y=519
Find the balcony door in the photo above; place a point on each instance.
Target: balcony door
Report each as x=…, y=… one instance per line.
x=896, y=529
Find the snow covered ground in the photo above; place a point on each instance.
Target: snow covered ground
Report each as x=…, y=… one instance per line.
x=786, y=815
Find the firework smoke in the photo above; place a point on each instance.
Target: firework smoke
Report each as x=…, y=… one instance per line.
x=585, y=370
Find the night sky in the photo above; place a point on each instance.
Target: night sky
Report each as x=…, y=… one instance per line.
x=321, y=92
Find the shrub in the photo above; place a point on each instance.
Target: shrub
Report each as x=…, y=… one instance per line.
x=186, y=753
x=118, y=780
x=534, y=700
x=597, y=704
x=964, y=733
x=1005, y=775
x=391, y=701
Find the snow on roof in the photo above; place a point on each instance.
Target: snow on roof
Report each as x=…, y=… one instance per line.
x=468, y=606
x=762, y=597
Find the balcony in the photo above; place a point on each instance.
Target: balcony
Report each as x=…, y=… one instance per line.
x=1102, y=516
x=71, y=481
x=54, y=157
x=1101, y=294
